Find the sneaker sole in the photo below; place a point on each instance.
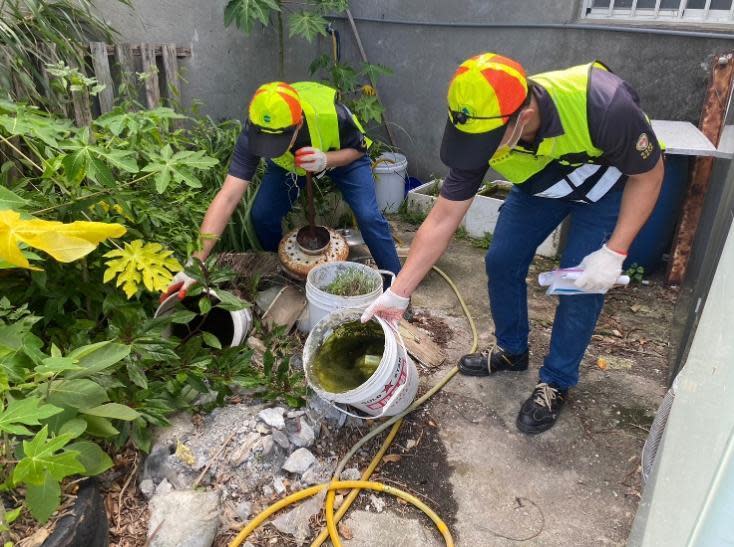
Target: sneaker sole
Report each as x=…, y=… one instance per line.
x=533, y=430
x=472, y=372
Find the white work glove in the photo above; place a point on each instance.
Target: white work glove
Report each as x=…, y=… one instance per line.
x=601, y=268
x=311, y=159
x=180, y=283
x=389, y=306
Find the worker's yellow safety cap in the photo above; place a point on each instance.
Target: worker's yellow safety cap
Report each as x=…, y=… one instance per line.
x=483, y=93
x=273, y=116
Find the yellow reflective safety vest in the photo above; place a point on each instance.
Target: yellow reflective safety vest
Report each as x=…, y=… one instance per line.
x=319, y=107
x=568, y=89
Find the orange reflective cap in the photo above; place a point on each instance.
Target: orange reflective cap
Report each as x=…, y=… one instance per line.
x=275, y=106
x=486, y=86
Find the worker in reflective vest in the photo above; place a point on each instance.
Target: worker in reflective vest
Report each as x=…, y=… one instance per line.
x=576, y=144
x=297, y=128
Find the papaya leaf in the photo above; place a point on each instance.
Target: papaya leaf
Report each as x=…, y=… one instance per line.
x=44, y=498
x=26, y=411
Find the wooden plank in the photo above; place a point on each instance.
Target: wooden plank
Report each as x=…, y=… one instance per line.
x=181, y=52
x=170, y=71
x=285, y=309
x=421, y=346
x=150, y=69
x=81, y=102
x=126, y=66
x=101, y=64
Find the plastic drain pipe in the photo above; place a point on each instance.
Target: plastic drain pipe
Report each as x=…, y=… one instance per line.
x=331, y=519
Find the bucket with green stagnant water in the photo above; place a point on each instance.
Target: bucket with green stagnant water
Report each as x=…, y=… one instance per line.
x=387, y=392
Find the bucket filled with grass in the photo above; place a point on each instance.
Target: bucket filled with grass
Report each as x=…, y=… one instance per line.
x=338, y=285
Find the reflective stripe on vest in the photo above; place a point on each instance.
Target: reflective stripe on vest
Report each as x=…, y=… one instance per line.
x=319, y=107
x=568, y=89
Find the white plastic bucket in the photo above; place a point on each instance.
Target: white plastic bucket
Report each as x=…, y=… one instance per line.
x=391, y=388
x=321, y=303
x=391, y=172
x=241, y=319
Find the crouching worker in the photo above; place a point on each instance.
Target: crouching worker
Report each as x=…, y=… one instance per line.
x=296, y=128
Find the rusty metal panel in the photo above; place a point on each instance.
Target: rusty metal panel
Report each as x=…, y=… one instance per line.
x=711, y=125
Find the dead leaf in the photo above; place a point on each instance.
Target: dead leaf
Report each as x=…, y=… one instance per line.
x=391, y=458
x=602, y=363
x=616, y=333
x=36, y=539
x=431, y=423
x=345, y=531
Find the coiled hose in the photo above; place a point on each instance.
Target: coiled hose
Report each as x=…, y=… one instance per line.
x=332, y=518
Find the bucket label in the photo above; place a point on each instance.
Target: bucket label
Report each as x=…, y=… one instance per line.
x=382, y=398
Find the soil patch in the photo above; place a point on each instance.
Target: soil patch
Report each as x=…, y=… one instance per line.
x=439, y=330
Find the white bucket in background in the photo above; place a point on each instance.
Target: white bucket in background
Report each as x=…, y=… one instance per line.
x=391, y=172
x=241, y=319
x=391, y=388
x=321, y=303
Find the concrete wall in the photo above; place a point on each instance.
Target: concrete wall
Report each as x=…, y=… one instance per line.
x=226, y=66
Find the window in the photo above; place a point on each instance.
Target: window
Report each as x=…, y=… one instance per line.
x=715, y=12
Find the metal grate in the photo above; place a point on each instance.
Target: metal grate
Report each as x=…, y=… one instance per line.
x=716, y=12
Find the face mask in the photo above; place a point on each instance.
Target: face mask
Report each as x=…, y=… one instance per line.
x=504, y=150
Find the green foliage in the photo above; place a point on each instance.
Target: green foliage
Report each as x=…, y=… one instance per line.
x=245, y=13
x=480, y=243
x=307, y=25
x=410, y=216
x=39, y=33
x=636, y=273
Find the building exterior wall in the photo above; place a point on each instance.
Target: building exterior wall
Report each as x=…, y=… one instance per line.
x=667, y=71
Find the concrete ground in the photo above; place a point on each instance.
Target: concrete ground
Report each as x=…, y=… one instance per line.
x=575, y=485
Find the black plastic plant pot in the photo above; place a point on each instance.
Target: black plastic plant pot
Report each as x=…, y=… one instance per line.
x=87, y=524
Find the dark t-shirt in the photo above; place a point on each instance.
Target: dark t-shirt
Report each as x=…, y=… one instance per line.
x=243, y=163
x=616, y=125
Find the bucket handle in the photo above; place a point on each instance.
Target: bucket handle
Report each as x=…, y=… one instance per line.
x=388, y=272
x=394, y=397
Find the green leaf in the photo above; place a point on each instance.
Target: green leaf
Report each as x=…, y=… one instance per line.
x=93, y=359
x=79, y=394
x=92, y=457
x=100, y=173
x=211, y=340
x=73, y=428
x=11, y=200
x=306, y=24
x=11, y=516
x=41, y=457
x=26, y=411
x=137, y=375
x=114, y=411
x=182, y=317
x=123, y=160
x=100, y=427
x=245, y=13
x=205, y=305
x=55, y=365
x=75, y=165
x=230, y=302
x=44, y=498
x=162, y=180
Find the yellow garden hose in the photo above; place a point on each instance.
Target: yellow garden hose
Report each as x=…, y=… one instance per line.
x=395, y=421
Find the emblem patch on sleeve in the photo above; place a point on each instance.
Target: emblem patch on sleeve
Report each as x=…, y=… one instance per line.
x=644, y=146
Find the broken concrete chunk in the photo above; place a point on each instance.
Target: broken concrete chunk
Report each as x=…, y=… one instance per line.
x=267, y=445
x=278, y=485
x=351, y=474
x=147, y=488
x=183, y=518
x=296, y=521
x=377, y=503
x=273, y=417
x=299, y=461
x=243, y=510
x=281, y=439
x=304, y=435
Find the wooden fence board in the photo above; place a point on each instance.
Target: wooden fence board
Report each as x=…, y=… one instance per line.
x=150, y=68
x=101, y=64
x=170, y=71
x=126, y=64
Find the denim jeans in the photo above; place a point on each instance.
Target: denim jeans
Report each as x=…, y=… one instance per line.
x=278, y=193
x=524, y=222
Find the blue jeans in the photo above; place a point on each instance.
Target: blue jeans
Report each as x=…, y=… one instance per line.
x=277, y=194
x=524, y=222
